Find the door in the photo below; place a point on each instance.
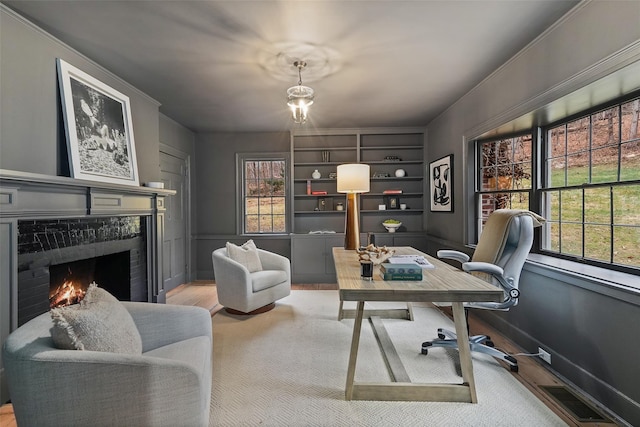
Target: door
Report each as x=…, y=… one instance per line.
x=174, y=172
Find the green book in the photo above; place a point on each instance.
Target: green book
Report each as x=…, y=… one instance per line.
x=401, y=271
x=410, y=269
x=390, y=276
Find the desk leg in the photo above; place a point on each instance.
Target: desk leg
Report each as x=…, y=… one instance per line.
x=464, y=349
x=355, y=342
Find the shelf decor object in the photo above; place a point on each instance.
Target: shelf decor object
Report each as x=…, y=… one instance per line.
x=353, y=178
x=300, y=98
x=441, y=184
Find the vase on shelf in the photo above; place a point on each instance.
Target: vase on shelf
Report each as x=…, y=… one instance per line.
x=400, y=173
x=316, y=174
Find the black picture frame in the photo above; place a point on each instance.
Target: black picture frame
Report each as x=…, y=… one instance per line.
x=441, y=184
x=392, y=202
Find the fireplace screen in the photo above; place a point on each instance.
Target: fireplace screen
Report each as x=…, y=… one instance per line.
x=68, y=282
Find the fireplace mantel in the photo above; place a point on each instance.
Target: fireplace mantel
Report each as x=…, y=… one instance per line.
x=30, y=196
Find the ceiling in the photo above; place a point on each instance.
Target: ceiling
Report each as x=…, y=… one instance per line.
x=226, y=65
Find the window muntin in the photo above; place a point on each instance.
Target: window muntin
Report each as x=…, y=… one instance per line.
x=591, y=191
x=504, y=178
x=264, y=187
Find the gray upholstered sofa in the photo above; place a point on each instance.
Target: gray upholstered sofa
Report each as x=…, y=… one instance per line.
x=168, y=385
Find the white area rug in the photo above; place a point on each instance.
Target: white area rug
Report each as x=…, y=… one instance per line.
x=288, y=367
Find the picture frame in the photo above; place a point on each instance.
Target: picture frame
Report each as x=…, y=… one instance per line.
x=392, y=202
x=441, y=184
x=98, y=127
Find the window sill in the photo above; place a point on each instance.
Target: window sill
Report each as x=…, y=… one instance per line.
x=620, y=285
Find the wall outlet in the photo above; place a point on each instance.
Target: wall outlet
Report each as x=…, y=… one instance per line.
x=544, y=355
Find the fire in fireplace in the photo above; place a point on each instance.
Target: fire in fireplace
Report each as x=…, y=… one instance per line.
x=68, y=282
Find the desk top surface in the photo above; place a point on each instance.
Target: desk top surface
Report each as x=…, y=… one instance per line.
x=444, y=283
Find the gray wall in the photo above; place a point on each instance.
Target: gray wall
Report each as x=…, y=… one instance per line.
x=216, y=204
x=31, y=125
x=589, y=327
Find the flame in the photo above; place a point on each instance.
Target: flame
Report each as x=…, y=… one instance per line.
x=66, y=294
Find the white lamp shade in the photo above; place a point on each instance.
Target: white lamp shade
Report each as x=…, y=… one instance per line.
x=353, y=178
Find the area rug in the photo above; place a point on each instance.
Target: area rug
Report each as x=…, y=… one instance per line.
x=288, y=367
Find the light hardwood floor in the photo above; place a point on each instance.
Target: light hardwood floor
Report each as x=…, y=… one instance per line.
x=532, y=374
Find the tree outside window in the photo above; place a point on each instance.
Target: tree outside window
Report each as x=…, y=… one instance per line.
x=264, y=194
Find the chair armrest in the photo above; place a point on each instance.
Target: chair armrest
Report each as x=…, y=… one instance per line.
x=461, y=257
x=72, y=387
x=162, y=324
x=273, y=261
x=483, y=267
x=497, y=273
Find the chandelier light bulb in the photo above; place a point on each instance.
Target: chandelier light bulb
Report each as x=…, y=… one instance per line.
x=300, y=98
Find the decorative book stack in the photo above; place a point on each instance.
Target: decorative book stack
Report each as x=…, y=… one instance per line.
x=401, y=271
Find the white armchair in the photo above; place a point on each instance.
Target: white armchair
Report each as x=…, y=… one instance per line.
x=243, y=292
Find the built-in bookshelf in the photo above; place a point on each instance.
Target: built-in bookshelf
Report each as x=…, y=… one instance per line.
x=317, y=204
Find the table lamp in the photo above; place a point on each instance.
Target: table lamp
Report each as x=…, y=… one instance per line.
x=353, y=178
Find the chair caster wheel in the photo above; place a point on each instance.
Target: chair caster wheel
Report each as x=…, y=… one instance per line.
x=441, y=336
x=425, y=347
x=489, y=343
x=514, y=368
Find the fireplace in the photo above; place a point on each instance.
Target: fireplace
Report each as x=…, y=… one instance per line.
x=56, y=255
x=68, y=282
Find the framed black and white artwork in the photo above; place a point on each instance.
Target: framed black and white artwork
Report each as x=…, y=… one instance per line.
x=98, y=127
x=441, y=184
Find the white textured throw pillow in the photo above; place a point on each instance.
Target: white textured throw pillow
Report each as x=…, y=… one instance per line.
x=98, y=323
x=247, y=255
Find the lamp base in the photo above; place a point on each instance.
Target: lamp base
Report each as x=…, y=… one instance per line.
x=352, y=229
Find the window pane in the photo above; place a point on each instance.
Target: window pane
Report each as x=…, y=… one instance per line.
x=577, y=169
x=604, y=165
x=626, y=241
x=630, y=161
x=523, y=175
x=578, y=135
x=552, y=205
x=597, y=208
x=631, y=120
x=251, y=205
x=554, y=237
x=626, y=202
x=265, y=223
x=605, y=128
x=556, y=137
x=555, y=169
x=251, y=224
x=571, y=239
x=597, y=240
x=278, y=205
x=571, y=205
x=279, y=225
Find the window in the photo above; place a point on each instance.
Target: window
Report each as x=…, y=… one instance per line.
x=264, y=194
x=504, y=175
x=591, y=187
x=589, y=184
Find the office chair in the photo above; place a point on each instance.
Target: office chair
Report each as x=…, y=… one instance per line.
x=498, y=258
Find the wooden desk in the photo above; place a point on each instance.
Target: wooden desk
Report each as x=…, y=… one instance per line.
x=444, y=283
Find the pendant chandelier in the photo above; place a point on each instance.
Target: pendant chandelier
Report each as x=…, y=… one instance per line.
x=299, y=98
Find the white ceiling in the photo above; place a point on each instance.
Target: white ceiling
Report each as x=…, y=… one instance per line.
x=226, y=65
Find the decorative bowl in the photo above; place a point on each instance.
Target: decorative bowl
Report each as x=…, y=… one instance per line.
x=391, y=226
